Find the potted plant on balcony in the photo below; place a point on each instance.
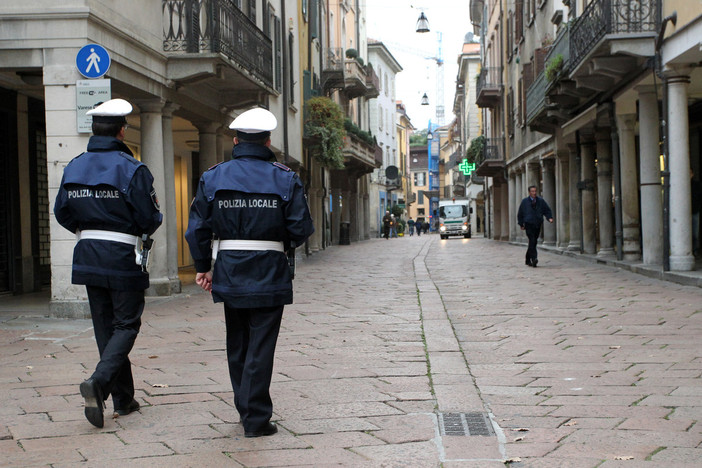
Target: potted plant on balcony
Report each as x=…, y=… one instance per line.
x=351, y=53
x=474, y=153
x=553, y=67
x=324, y=129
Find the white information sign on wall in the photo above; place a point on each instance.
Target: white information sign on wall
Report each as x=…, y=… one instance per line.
x=90, y=93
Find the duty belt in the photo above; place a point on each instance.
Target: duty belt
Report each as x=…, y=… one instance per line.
x=242, y=244
x=141, y=254
x=107, y=235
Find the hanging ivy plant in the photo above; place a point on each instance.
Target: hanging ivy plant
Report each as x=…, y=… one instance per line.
x=325, y=129
x=474, y=153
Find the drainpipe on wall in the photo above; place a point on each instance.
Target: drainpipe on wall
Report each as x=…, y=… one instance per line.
x=673, y=18
x=285, y=76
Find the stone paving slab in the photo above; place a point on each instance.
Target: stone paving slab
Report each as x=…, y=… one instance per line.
x=575, y=364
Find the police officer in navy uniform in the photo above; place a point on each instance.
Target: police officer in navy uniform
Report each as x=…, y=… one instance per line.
x=107, y=199
x=255, y=209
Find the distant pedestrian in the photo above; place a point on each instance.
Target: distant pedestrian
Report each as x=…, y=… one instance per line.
x=410, y=223
x=425, y=226
x=387, y=220
x=418, y=226
x=393, y=226
x=530, y=216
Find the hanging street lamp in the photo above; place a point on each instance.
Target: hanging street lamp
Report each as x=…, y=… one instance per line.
x=422, y=24
x=425, y=100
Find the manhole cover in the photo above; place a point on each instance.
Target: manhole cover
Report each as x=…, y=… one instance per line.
x=465, y=424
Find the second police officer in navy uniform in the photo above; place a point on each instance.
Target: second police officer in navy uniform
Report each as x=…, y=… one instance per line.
x=255, y=209
x=107, y=199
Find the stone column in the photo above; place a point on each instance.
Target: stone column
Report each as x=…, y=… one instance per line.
x=504, y=212
x=496, y=206
x=168, y=203
x=650, y=170
x=208, y=144
x=631, y=248
x=63, y=143
x=575, y=220
x=533, y=175
x=336, y=214
x=587, y=160
x=223, y=146
x=152, y=154
x=512, y=207
x=604, y=193
x=681, y=258
x=518, y=195
x=549, y=194
x=563, y=214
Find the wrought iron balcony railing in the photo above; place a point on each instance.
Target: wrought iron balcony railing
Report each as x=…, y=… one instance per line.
x=602, y=17
x=217, y=26
x=489, y=86
x=536, y=97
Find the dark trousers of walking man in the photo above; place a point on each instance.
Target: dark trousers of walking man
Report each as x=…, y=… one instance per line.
x=532, y=231
x=251, y=339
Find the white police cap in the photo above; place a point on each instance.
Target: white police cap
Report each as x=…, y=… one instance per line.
x=112, y=111
x=256, y=120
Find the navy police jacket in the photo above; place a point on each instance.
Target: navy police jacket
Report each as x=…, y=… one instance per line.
x=533, y=214
x=249, y=198
x=107, y=189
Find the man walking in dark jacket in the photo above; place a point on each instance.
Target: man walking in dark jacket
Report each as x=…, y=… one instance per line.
x=532, y=211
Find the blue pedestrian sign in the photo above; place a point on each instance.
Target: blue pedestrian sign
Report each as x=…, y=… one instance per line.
x=93, y=61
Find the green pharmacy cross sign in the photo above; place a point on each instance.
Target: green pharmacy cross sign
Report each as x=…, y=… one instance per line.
x=466, y=167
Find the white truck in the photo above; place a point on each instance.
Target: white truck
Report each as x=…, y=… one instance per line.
x=454, y=218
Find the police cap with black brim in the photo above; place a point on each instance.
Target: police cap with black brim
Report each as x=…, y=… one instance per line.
x=112, y=111
x=254, y=124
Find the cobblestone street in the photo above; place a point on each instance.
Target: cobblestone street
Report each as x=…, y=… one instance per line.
x=571, y=364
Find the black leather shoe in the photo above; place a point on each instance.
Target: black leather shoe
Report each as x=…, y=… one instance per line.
x=268, y=429
x=131, y=407
x=534, y=263
x=528, y=262
x=94, y=402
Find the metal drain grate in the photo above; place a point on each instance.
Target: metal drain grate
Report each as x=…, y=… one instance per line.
x=465, y=424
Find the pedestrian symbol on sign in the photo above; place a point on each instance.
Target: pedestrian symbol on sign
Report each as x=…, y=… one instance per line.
x=93, y=61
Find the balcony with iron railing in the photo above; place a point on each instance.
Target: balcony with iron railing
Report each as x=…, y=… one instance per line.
x=372, y=83
x=333, y=68
x=489, y=87
x=359, y=156
x=611, y=39
x=555, y=66
x=491, y=162
x=200, y=35
x=355, y=78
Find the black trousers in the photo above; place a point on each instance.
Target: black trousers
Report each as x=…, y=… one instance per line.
x=116, y=321
x=251, y=338
x=532, y=232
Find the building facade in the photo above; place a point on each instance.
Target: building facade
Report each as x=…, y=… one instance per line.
x=386, y=188
x=188, y=68
x=580, y=90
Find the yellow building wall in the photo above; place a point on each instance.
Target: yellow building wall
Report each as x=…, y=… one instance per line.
x=687, y=10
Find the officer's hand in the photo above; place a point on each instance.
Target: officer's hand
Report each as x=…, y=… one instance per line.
x=522, y=227
x=204, y=280
x=550, y=220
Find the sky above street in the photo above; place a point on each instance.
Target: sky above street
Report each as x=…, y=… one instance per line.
x=394, y=23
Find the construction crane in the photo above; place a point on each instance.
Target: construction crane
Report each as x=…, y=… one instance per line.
x=439, y=60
